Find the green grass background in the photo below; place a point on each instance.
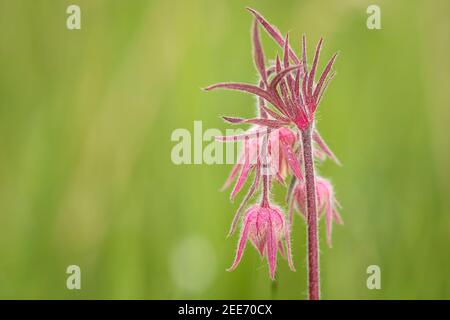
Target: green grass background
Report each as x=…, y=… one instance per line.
x=86, y=176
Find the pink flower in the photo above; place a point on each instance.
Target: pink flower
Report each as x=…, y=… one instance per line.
x=281, y=158
x=281, y=155
x=266, y=227
x=282, y=141
x=326, y=203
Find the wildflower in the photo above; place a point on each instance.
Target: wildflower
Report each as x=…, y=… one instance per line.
x=266, y=228
x=327, y=204
x=281, y=155
x=293, y=95
x=281, y=158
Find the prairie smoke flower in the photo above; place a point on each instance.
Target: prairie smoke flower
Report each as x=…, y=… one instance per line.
x=281, y=157
x=327, y=204
x=267, y=229
x=293, y=95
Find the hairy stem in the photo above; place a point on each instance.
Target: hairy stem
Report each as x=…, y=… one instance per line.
x=265, y=197
x=313, y=243
x=265, y=171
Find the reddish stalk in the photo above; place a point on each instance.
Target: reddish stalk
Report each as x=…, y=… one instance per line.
x=265, y=197
x=265, y=173
x=313, y=241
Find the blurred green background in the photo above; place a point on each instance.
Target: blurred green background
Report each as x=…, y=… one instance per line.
x=86, y=178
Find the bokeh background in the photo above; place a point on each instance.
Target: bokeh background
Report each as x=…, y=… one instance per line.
x=86, y=176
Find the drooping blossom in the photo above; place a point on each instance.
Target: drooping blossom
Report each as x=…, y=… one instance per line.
x=268, y=232
x=327, y=204
x=281, y=160
x=281, y=155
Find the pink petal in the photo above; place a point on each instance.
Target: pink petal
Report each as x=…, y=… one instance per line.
x=260, y=247
x=277, y=64
x=244, y=171
x=337, y=217
x=314, y=67
x=286, y=101
x=244, y=201
x=286, y=60
x=233, y=120
x=270, y=70
x=274, y=33
x=324, y=147
x=279, y=76
x=323, y=76
x=281, y=249
x=245, y=87
x=275, y=115
x=279, y=179
x=231, y=177
x=305, y=65
x=297, y=86
x=258, y=54
x=287, y=238
x=241, y=180
x=259, y=121
x=298, y=95
x=292, y=160
x=304, y=90
x=290, y=190
x=300, y=200
x=261, y=103
x=267, y=122
x=241, y=246
x=285, y=51
x=261, y=244
x=271, y=250
x=327, y=81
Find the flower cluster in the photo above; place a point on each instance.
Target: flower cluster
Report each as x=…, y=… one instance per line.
x=288, y=97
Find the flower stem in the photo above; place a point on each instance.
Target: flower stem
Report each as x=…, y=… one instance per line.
x=313, y=243
x=265, y=197
x=265, y=171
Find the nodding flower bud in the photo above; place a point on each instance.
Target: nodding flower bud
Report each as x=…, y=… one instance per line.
x=281, y=155
x=267, y=230
x=326, y=203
